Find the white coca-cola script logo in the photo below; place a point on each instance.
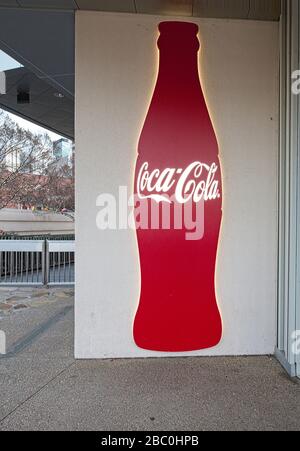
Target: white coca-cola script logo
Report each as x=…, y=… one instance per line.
x=196, y=182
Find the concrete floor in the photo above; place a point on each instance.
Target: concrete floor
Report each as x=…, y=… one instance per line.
x=43, y=388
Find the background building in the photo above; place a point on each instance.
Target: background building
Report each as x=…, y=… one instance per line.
x=63, y=155
x=13, y=160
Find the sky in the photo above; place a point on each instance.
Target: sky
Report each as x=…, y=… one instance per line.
x=7, y=63
x=33, y=128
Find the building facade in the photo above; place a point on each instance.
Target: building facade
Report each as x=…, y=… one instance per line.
x=249, y=71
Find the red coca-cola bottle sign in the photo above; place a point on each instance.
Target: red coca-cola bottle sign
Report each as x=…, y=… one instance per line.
x=177, y=167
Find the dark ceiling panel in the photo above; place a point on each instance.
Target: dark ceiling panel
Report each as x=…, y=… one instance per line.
x=57, y=4
x=265, y=10
x=126, y=6
x=45, y=108
x=13, y=3
x=42, y=41
x=166, y=7
x=236, y=9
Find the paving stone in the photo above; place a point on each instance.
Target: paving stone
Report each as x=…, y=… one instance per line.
x=5, y=307
x=61, y=294
x=17, y=299
x=20, y=307
x=39, y=293
x=24, y=294
x=41, y=301
x=26, y=289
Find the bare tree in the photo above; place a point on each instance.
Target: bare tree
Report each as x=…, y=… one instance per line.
x=28, y=174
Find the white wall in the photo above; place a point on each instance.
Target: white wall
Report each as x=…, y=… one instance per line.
x=116, y=66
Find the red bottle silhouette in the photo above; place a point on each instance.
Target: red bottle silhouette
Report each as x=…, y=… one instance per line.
x=178, y=310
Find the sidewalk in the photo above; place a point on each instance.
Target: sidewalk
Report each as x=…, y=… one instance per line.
x=42, y=387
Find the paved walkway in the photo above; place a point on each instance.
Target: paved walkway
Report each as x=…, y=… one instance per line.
x=43, y=388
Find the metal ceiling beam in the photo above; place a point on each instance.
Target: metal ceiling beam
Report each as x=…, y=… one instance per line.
x=2, y=83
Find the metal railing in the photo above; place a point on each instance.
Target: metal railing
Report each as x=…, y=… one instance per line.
x=40, y=262
x=60, y=257
x=48, y=236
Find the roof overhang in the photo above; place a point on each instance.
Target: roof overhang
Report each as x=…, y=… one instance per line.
x=242, y=9
x=40, y=35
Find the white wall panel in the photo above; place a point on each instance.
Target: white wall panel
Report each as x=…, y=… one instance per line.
x=116, y=68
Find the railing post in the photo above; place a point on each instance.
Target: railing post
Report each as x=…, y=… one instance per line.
x=45, y=264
